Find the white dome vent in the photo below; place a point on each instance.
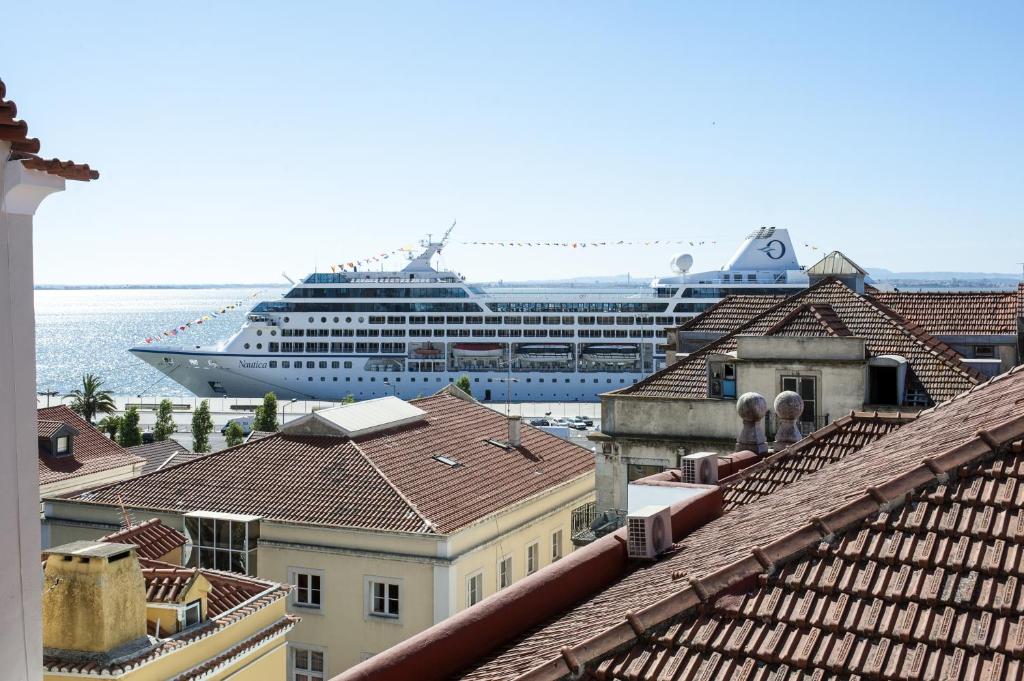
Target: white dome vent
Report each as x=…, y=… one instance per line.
x=681, y=263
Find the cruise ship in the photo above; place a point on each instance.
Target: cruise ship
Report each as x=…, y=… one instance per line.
x=410, y=332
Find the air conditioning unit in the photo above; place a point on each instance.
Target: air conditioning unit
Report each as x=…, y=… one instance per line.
x=648, y=532
x=699, y=469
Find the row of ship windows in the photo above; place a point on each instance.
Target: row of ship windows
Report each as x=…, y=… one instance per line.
x=441, y=333
x=286, y=364
x=509, y=321
x=478, y=333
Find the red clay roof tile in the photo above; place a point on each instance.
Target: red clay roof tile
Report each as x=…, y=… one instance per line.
x=934, y=369
x=930, y=576
x=152, y=539
x=25, y=148
x=386, y=481
x=92, y=451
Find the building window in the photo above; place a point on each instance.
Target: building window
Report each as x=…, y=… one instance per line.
x=222, y=541
x=556, y=545
x=505, y=572
x=307, y=664
x=635, y=471
x=384, y=598
x=193, y=613
x=722, y=380
x=63, y=444
x=474, y=588
x=307, y=593
x=984, y=351
x=807, y=388
x=532, y=558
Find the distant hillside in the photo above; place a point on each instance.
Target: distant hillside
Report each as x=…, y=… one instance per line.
x=883, y=274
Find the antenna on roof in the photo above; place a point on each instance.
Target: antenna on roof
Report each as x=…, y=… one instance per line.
x=288, y=278
x=125, y=516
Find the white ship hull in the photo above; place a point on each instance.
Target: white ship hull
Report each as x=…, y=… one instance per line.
x=211, y=374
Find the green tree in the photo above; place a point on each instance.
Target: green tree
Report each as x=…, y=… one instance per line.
x=350, y=399
x=110, y=425
x=91, y=399
x=165, y=425
x=202, y=426
x=266, y=414
x=463, y=385
x=129, y=434
x=234, y=434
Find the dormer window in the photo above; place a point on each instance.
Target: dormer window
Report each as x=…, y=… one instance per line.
x=193, y=614
x=63, y=445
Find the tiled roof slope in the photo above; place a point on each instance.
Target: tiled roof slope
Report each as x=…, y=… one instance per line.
x=934, y=367
x=25, y=148
x=957, y=312
x=826, y=446
x=384, y=481
x=161, y=454
x=731, y=312
x=92, y=451
x=152, y=538
x=791, y=510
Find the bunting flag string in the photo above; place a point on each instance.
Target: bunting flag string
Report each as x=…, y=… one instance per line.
x=187, y=326
x=592, y=244
x=380, y=257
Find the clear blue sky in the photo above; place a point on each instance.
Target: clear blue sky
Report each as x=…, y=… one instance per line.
x=239, y=140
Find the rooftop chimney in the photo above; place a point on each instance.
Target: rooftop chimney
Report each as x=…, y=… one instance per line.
x=94, y=597
x=789, y=407
x=515, y=430
x=752, y=407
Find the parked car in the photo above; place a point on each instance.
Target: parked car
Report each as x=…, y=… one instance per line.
x=577, y=425
x=244, y=421
x=539, y=422
x=589, y=422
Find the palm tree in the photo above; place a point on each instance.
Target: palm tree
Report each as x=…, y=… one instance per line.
x=91, y=400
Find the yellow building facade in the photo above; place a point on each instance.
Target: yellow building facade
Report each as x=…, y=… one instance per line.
x=107, y=612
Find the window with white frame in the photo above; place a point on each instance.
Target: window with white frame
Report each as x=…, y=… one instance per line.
x=384, y=598
x=307, y=592
x=504, y=572
x=556, y=545
x=307, y=663
x=532, y=558
x=474, y=588
x=193, y=613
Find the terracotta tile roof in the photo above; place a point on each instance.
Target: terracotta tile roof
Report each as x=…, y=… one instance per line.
x=958, y=312
x=46, y=429
x=876, y=564
x=934, y=368
x=25, y=148
x=730, y=313
x=826, y=446
x=232, y=598
x=153, y=539
x=92, y=451
x=162, y=454
x=810, y=319
x=384, y=481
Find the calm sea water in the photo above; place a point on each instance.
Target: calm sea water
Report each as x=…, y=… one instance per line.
x=80, y=331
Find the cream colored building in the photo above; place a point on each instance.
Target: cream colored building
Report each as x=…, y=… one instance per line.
x=386, y=516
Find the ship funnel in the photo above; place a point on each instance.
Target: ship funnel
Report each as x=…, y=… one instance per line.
x=767, y=248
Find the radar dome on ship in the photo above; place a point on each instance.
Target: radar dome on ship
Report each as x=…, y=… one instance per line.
x=681, y=263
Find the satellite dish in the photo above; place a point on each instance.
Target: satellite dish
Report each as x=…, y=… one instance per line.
x=681, y=263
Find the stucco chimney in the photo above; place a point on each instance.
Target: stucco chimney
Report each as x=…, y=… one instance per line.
x=515, y=429
x=789, y=407
x=752, y=407
x=94, y=597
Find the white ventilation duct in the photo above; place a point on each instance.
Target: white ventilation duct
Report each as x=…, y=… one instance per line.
x=515, y=430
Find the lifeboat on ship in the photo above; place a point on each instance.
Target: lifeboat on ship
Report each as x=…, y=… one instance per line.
x=544, y=352
x=427, y=351
x=480, y=350
x=606, y=352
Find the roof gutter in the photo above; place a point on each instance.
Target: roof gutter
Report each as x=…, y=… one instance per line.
x=453, y=644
